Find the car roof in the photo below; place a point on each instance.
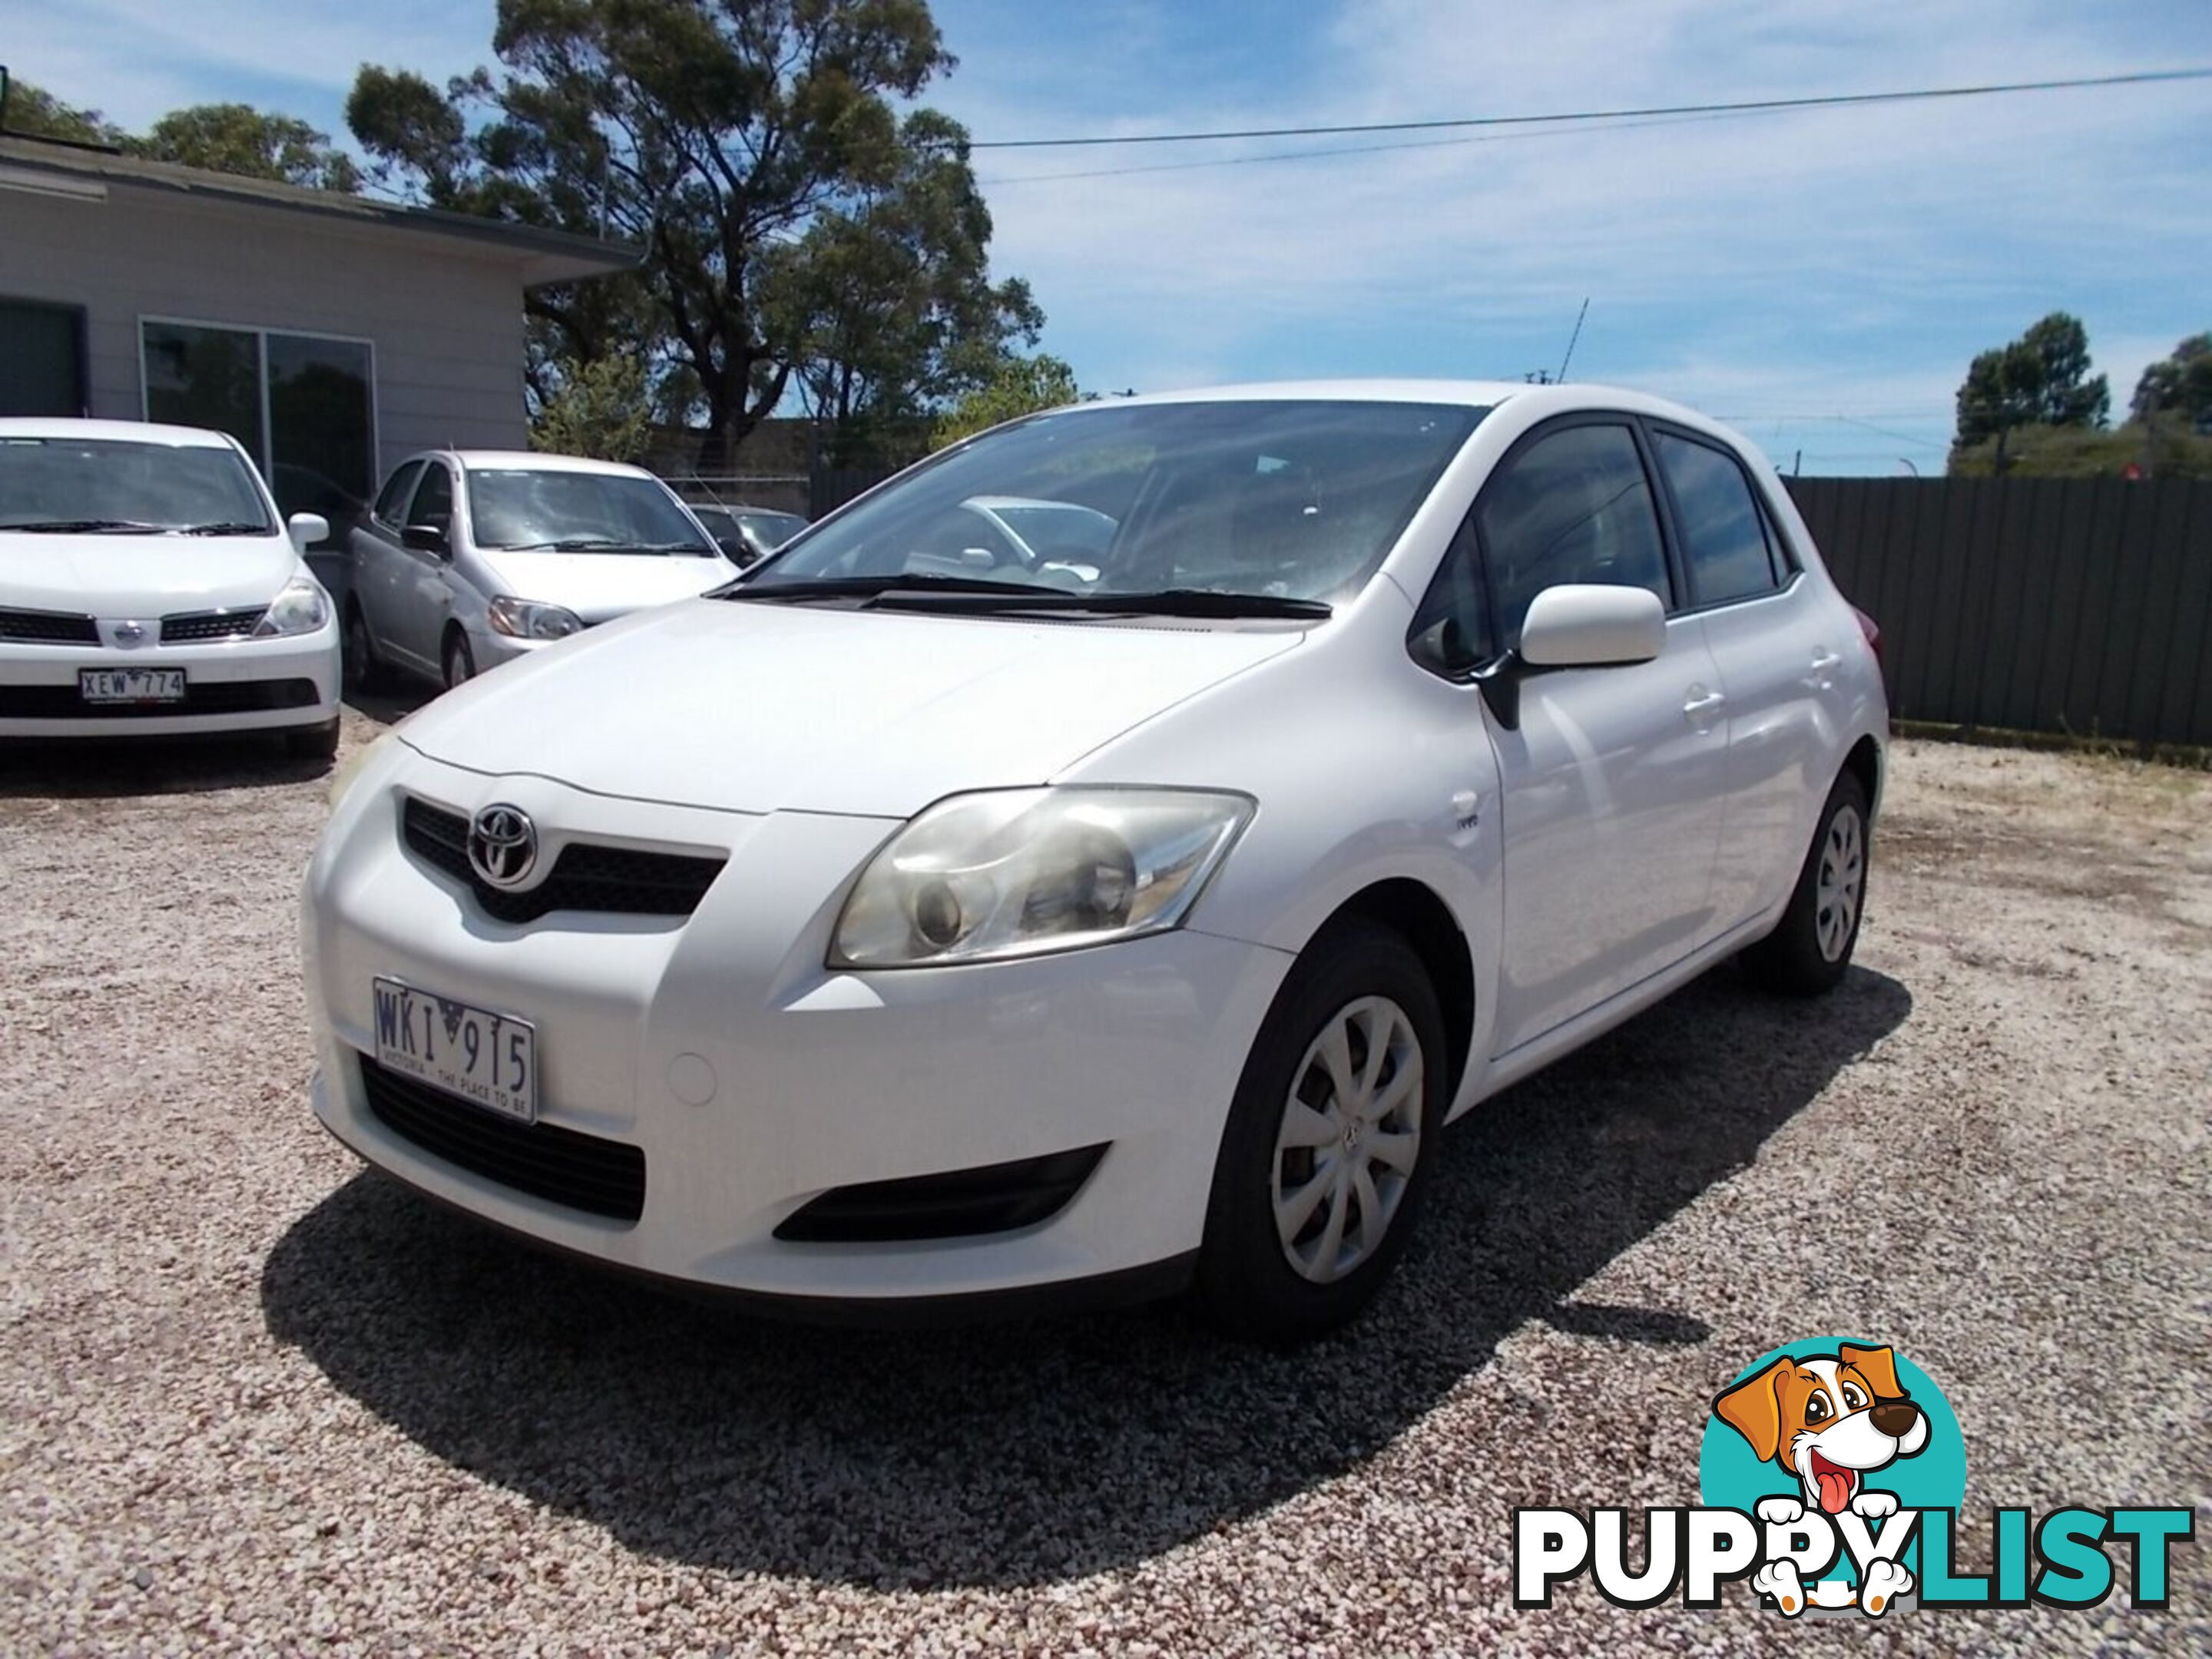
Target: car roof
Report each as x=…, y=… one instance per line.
x=532, y=461
x=143, y=432
x=1540, y=399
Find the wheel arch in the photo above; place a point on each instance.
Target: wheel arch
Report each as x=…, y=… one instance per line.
x=1864, y=763
x=1415, y=911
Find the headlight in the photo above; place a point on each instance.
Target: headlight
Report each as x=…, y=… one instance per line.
x=301, y=607
x=1015, y=872
x=527, y=619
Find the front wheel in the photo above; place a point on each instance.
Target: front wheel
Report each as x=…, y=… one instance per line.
x=1328, y=1142
x=1811, y=949
x=460, y=662
x=358, y=666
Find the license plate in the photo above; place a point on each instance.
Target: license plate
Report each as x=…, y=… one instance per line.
x=130, y=684
x=489, y=1060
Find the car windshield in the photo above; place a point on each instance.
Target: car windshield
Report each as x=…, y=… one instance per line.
x=1275, y=499
x=79, y=486
x=517, y=509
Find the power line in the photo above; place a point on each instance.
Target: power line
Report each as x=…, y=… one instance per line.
x=1833, y=101
x=1344, y=150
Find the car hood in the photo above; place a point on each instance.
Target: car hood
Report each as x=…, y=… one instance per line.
x=757, y=707
x=139, y=576
x=600, y=585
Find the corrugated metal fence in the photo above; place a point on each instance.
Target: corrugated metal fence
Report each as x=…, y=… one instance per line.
x=2078, y=605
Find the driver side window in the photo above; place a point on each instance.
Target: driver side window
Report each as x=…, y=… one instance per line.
x=1575, y=505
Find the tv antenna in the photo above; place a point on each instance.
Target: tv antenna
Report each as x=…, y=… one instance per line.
x=1573, y=338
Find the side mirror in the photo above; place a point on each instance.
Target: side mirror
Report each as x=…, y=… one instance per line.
x=427, y=538
x=306, y=529
x=1575, y=625
x=1585, y=625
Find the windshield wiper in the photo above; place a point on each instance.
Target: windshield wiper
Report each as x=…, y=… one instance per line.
x=239, y=528
x=565, y=544
x=924, y=591
x=1198, y=602
x=919, y=584
x=89, y=526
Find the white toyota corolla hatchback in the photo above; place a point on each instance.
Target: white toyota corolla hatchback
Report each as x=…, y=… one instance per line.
x=149, y=587
x=871, y=939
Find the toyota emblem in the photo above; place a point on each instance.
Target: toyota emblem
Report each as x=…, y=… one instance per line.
x=502, y=845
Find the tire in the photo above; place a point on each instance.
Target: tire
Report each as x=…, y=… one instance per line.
x=1357, y=979
x=313, y=742
x=359, y=668
x=1809, y=951
x=460, y=662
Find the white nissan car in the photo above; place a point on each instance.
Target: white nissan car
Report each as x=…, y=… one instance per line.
x=149, y=587
x=472, y=558
x=868, y=940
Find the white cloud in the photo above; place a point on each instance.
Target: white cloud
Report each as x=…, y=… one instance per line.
x=1824, y=260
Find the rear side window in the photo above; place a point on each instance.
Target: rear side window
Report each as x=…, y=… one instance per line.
x=1574, y=506
x=394, y=496
x=1724, y=533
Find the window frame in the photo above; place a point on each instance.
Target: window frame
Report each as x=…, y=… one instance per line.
x=454, y=492
x=80, y=318
x=406, y=496
x=1469, y=534
x=1782, y=560
x=265, y=462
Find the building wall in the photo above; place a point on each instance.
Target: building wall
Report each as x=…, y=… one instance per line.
x=445, y=319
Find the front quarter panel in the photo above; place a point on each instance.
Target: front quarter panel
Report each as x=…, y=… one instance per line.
x=1365, y=768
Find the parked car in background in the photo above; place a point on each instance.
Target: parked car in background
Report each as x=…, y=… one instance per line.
x=870, y=939
x=470, y=558
x=747, y=534
x=148, y=588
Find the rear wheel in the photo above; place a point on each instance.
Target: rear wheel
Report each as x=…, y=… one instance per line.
x=1328, y=1141
x=1811, y=949
x=460, y=662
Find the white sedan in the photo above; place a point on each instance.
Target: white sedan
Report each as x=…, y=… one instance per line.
x=871, y=940
x=472, y=558
x=149, y=587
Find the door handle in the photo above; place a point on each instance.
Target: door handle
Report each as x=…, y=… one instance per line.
x=1708, y=703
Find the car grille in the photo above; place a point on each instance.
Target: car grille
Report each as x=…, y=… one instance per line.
x=201, y=697
x=210, y=625
x=47, y=628
x=584, y=1172
x=616, y=881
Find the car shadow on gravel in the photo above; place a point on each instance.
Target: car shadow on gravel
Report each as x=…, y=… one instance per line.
x=114, y=768
x=1026, y=1453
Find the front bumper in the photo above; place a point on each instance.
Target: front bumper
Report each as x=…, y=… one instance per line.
x=252, y=685
x=754, y=1079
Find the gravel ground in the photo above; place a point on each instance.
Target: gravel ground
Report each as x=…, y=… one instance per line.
x=252, y=1398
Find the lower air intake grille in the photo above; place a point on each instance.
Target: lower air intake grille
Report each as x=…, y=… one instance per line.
x=47, y=702
x=616, y=881
x=585, y=1172
x=993, y=1198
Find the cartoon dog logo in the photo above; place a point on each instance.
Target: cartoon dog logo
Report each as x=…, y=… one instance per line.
x=1829, y=1421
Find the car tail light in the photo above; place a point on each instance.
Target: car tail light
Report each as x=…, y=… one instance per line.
x=1873, y=633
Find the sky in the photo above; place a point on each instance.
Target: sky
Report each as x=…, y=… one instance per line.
x=1820, y=279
